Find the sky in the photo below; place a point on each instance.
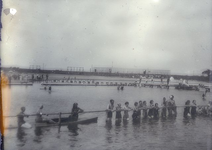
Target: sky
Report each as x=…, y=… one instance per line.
x=140, y=34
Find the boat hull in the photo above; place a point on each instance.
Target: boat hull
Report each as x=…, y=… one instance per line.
x=65, y=122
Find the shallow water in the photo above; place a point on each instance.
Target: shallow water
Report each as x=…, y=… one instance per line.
x=159, y=134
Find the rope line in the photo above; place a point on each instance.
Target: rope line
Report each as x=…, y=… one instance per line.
x=96, y=111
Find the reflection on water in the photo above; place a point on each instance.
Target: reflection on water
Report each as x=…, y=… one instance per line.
x=38, y=134
x=38, y=131
x=21, y=137
x=118, y=122
x=73, y=129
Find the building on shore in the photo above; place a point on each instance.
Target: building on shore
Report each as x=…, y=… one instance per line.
x=129, y=71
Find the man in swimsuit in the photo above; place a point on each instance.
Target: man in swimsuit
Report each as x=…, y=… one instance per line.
x=21, y=116
x=110, y=109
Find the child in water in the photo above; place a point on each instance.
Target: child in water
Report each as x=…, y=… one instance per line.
x=118, y=111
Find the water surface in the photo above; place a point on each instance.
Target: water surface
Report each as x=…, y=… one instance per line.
x=178, y=133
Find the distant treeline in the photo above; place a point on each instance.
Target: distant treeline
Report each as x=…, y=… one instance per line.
x=128, y=75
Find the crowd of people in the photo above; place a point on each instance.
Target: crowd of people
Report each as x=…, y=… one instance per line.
x=140, y=109
x=152, y=110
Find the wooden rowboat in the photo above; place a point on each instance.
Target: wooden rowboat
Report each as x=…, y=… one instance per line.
x=66, y=121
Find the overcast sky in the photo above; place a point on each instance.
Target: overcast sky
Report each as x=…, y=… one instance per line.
x=144, y=34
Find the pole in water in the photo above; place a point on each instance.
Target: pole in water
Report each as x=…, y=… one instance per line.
x=59, y=122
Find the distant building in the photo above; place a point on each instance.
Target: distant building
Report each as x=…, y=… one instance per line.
x=129, y=70
x=101, y=69
x=77, y=69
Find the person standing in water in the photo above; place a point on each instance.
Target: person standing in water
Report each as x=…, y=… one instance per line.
x=194, y=109
x=156, y=111
x=126, y=109
x=21, y=116
x=168, y=80
x=135, y=114
x=140, y=105
x=172, y=106
x=118, y=112
x=186, y=113
x=39, y=117
x=144, y=110
x=109, y=110
x=151, y=109
x=164, y=109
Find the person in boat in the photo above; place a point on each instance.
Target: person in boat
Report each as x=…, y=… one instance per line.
x=39, y=117
x=156, y=111
x=151, y=109
x=126, y=109
x=118, y=112
x=186, y=113
x=75, y=112
x=21, y=116
x=135, y=114
x=164, y=109
x=140, y=105
x=194, y=109
x=144, y=110
x=109, y=110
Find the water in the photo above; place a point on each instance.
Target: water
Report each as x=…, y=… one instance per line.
x=160, y=134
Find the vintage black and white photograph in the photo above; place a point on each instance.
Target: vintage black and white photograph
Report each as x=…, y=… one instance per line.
x=106, y=75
